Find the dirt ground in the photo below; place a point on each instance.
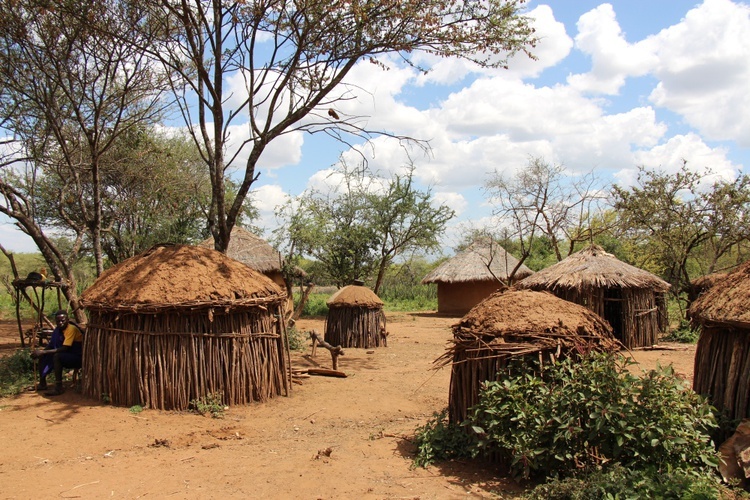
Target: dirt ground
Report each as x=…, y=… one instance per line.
x=333, y=438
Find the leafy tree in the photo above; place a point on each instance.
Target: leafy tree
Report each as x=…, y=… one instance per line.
x=363, y=223
x=69, y=91
x=405, y=220
x=542, y=200
x=679, y=222
x=292, y=58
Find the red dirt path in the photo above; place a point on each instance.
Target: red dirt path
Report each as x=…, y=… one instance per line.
x=331, y=439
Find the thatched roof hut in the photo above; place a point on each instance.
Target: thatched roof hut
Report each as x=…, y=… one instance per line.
x=472, y=275
x=253, y=251
x=517, y=324
x=631, y=299
x=722, y=357
x=355, y=318
x=177, y=323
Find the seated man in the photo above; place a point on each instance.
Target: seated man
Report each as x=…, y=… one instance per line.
x=64, y=350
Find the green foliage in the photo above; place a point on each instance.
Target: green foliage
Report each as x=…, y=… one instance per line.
x=296, y=339
x=582, y=415
x=617, y=482
x=136, y=409
x=402, y=289
x=438, y=440
x=315, y=305
x=210, y=404
x=684, y=333
x=16, y=373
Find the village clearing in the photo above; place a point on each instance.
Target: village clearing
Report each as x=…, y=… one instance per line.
x=333, y=438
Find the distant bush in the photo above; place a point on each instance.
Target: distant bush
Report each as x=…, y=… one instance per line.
x=684, y=333
x=16, y=373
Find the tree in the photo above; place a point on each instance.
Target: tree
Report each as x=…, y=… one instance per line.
x=292, y=56
x=363, y=223
x=543, y=200
x=405, y=220
x=69, y=91
x=676, y=219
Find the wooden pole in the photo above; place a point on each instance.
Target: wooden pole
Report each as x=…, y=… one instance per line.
x=335, y=351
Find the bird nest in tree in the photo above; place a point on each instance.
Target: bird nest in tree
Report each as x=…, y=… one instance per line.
x=355, y=318
x=178, y=323
x=513, y=325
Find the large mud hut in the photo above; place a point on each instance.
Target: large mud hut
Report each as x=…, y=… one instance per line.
x=178, y=323
x=355, y=318
x=722, y=356
x=517, y=324
x=632, y=300
x=472, y=275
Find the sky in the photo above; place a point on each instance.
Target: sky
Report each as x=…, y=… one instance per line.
x=616, y=85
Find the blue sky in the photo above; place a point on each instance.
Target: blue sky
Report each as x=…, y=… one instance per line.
x=616, y=85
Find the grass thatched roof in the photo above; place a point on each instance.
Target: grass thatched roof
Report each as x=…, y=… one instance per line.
x=592, y=267
x=481, y=261
x=521, y=322
x=727, y=301
x=250, y=249
x=180, y=276
x=355, y=296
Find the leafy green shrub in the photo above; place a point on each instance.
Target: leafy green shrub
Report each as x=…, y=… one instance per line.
x=438, y=440
x=16, y=372
x=581, y=415
x=136, y=409
x=316, y=305
x=296, y=339
x=684, y=333
x=210, y=404
x=617, y=482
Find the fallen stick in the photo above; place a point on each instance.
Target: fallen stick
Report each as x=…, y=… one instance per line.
x=326, y=372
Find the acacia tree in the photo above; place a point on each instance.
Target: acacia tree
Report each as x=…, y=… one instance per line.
x=358, y=227
x=291, y=55
x=69, y=91
x=678, y=221
x=542, y=200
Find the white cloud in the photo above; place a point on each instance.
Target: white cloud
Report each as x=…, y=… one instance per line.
x=454, y=201
x=613, y=58
x=704, y=69
x=668, y=157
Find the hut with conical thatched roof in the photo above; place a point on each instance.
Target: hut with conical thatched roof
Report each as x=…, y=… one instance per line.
x=722, y=356
x=517, y=324
x=631, y=299
x=253, y=251
x=472, y=275
x=178, y=323
x=355, y=318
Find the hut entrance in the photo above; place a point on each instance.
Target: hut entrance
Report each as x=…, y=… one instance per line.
x=613, y=310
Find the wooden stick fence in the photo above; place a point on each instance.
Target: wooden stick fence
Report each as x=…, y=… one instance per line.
x=166, y=360
x=355, y=327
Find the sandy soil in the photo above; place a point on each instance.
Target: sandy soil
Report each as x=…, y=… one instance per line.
x=333, y=438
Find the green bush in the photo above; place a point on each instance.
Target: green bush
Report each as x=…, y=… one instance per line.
x=581, y=415
x=617, y=482
x=438, y=440
x=297, y=341
x=210, y=404
x=684, y=333
x=16, y=373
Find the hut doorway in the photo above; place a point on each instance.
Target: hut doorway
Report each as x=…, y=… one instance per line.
x=613, y=310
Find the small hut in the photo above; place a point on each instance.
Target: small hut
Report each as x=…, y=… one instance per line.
x=253, y=251
x=631, y=299
x=178, y=323
x=512, y=325
x=722, y=356
x=472, y=275
x=355, y=318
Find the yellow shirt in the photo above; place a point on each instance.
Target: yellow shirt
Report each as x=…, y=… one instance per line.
x=72, y=334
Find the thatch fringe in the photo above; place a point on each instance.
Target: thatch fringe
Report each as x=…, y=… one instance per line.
x=355, y=327
x=165, y=361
